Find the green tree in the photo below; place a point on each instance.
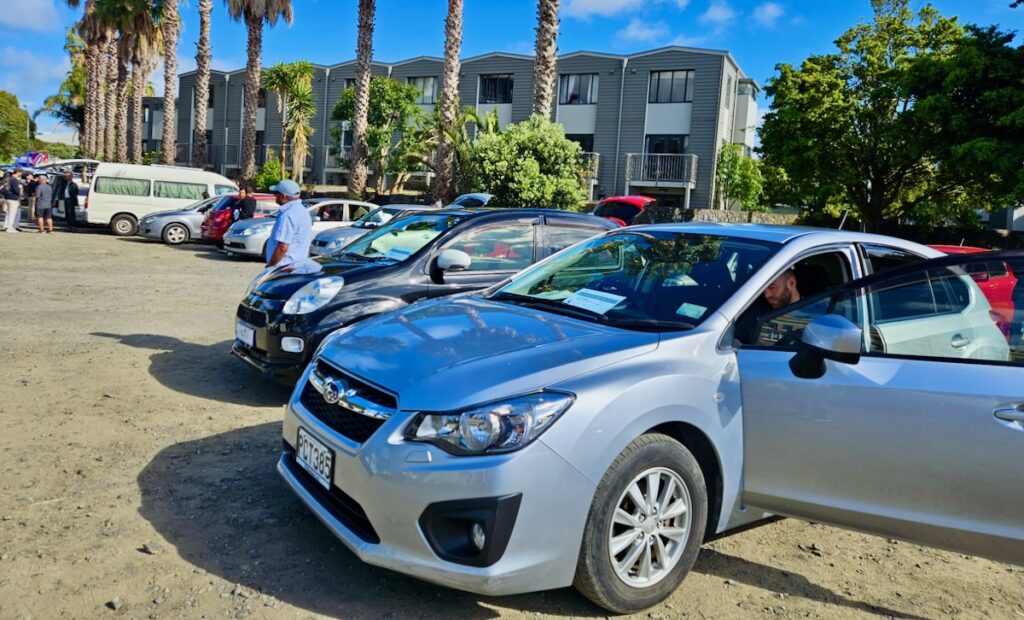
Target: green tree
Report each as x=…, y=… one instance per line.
x=738, y=178
x=460, y=140
x=528, y=164
x=293, y=85
x=269, y=173
x=970, y=104
x=13, y=121
x=395, y=138
x=67, y=105
x=841, y=123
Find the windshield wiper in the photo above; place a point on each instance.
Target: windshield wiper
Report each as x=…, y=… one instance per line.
x=653, y=325
x=551, y=304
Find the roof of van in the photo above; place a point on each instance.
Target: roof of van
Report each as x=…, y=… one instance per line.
x=169, y=173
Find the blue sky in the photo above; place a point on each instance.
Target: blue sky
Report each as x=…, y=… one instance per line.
x=759, y=33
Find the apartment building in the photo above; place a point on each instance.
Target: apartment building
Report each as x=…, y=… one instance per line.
x=649, y=123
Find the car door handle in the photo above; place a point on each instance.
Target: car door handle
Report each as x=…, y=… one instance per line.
x=1011, y=414
x=959, y=342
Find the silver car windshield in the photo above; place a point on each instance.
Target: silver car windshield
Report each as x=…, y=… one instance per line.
x=651, y=280
x=401, y=237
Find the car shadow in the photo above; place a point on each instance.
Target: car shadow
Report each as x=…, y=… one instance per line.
x=220, y=502
x=204, y=370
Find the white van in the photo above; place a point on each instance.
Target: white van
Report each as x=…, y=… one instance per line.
x=122, y=194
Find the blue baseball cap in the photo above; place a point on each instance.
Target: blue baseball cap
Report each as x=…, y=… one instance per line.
x=286, y=187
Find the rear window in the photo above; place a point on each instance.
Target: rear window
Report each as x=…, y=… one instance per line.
x=220, y=190
x=622, y=210
x=120, y=186
x=174, y=189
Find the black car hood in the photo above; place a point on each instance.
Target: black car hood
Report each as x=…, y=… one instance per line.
x=284, y=281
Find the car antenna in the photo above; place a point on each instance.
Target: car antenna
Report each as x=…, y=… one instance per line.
x=843, y=221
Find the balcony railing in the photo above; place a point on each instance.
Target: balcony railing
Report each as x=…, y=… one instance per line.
x=591, y=164
x=266, y=151
x=679, y=170
x=335, y=159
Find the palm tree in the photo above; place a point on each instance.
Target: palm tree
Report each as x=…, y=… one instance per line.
x=302, y=107
x=444, y=184
x=364, y=56
x=95, y=34
x=280, y=80
x=544, y=70
x=202, y=89
x=113, y=73
x=254, y=13
x=170, y=25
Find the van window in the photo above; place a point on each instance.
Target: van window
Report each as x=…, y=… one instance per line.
x=220, y=190
x=174, y=189
x=120, y=186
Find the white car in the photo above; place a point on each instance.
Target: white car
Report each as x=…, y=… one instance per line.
x=329, y=242
x=249, y=237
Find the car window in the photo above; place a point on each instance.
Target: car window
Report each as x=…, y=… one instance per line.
x=220, y=190
x=613, y=208
x=401, y=237
x=334, y=212
x=174, y=189
x=121, y=186
x=505, y=246
x=469, y=201
x=880, y=258
x=266, y=207
x=561, y=235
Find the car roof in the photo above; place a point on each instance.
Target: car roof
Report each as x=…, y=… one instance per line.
x=410, y=207
x=513, y=212
x=635, y=200
x=765, y=232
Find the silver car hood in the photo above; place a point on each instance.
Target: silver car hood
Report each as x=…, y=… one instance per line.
x=172, y=213
x=254, y=222
x=456, y=352
x=341, y=232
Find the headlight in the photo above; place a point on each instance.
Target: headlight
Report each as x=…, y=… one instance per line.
x=314, y=295
x=334, y=245
x=501, y=426
x=249, y=231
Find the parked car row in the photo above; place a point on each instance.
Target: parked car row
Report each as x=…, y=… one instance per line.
x=505, y=401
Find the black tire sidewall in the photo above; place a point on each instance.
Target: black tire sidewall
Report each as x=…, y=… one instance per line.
x=170, y=227
x=596, y=576
x=121, y=218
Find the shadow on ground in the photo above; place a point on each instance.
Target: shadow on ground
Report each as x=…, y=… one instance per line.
x=204, y=370
x=220, y=502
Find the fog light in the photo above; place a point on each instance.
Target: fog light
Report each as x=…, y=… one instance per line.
x=479, y=538
x=292, y=344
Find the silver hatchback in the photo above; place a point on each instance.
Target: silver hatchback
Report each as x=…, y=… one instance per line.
x=597, y=417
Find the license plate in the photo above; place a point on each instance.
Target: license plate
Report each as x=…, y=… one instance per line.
x=314, y=457
x=245, y=333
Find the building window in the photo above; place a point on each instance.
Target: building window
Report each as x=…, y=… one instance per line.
x=728, y=92
x=666, y=144
x=577, y=88
x=671, y=87
x=585, y=140
x=261, y=98
x=427, y=87
x=496, y=88
x=259, y=138
x=209, y=136
x=350, y=83
x=145, y=114
x=209, y=97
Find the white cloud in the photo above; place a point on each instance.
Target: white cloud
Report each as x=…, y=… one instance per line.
x=768, y=14
x=585, y=9
x=643, y=32
x=33, y=15
x=680, y=4
x=685, y=40
x=718, y=14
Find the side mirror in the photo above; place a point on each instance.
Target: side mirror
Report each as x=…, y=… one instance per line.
x=828, y=337
x=448, y=261
x=981, y=276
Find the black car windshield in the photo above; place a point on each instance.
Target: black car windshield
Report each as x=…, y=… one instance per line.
x=402, y=237
x=643, y=280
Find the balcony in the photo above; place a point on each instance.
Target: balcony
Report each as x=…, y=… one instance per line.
x=591, y=165
x=335, y=160
x=661, y=170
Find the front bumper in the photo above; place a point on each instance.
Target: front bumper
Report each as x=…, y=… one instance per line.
x=150, y=230
x=250, y=245
x=284, y=369
x=388, y=483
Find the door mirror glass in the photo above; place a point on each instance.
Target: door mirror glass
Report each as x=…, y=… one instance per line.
x=453, y=260
x=828, y=337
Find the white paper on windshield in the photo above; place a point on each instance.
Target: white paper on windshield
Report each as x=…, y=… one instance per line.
x=595, y=301
x=398, y=254
x=692, y=311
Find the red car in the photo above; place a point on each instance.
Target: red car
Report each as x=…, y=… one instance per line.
x=996, y=281
x=219, y=218
x=622, y=209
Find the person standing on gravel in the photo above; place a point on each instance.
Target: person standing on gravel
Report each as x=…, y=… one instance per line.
x=44, y=202
x=31, y=183
x=293, y=228
x=65, y=191
x=12, y=196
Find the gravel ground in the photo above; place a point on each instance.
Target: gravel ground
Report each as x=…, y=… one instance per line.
x=138, y=477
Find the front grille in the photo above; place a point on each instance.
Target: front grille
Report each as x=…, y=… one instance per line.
x=341, y=506
x=256, y=318
x=235, y=244
x=337, y=416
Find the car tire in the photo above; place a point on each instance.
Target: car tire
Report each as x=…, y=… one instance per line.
x=651, y=560
x=124, y=225
x=175, y=234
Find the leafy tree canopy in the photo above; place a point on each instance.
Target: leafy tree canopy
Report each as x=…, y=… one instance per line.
x=13, y=121
x=738, y=178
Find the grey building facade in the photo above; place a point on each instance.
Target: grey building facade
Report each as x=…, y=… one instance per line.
x=649, y=123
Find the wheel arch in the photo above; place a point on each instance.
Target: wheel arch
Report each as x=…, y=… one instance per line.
x=188, y=230
x=707, y=457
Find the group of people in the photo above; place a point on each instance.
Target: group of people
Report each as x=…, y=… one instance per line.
x=41, y=197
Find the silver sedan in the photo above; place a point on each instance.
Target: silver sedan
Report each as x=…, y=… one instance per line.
x=178, y=226
x=330, y=241
x=249, y=237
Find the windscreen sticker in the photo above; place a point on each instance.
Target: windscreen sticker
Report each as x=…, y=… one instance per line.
x=398, y=254
x=595, y=301
x=692, y=311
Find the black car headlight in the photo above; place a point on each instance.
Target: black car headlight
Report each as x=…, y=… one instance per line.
x=496, y=427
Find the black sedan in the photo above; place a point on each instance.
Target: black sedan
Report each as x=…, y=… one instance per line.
x=288, y=312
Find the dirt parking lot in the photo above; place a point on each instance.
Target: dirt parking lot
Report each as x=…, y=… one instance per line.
x=138, y=477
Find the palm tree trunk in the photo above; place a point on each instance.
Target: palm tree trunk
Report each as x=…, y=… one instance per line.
x=202, y=91
x=99, y=146
x=139, y=79
x=364, y=56
x=122, y=108
x=544, y=69
x=283, y=109
x=92, y=95
x=444, y=184
x=171, y=25
x=254, y=25
x=110, y=125
x=298, y=154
